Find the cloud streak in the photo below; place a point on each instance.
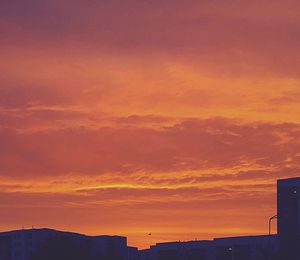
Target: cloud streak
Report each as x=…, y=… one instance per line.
x=189, y=145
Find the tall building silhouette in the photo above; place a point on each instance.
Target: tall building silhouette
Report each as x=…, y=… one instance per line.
x=288, y=206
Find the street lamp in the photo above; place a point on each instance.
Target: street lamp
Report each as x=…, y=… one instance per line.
x=270, y=222
x=269, y=252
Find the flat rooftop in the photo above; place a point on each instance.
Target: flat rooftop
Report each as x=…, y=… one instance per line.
x=289, y=182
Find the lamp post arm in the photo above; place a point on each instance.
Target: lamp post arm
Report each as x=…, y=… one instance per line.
x=270, y=222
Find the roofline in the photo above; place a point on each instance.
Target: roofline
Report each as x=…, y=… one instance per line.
x=57, y=231
x=240, y=237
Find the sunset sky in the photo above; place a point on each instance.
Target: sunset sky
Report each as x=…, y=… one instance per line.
x=132, y=117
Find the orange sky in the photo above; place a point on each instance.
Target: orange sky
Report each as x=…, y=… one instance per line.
x=129, y=117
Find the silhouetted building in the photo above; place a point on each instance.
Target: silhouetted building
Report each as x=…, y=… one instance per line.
x=109, y=247
x=132, y=253
x=43, y=244
x=246, y=248
x=231, y=248
x=191, y=250
x=145, y=254
x=288, y=206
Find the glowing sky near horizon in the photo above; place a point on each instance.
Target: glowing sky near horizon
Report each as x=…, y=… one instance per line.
x=133, y=117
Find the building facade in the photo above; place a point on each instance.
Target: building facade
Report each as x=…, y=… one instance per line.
x=231, y=248
x=246, y=248
x=38, y=244
x=288, y=215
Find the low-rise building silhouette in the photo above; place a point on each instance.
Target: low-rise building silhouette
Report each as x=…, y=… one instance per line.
x=231, y=248
x=132, y=253
x=43, y=244
x=246, y=248
x=179, y=250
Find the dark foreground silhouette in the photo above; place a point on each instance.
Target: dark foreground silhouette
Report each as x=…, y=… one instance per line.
x=65, y=248
x=61, y=248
